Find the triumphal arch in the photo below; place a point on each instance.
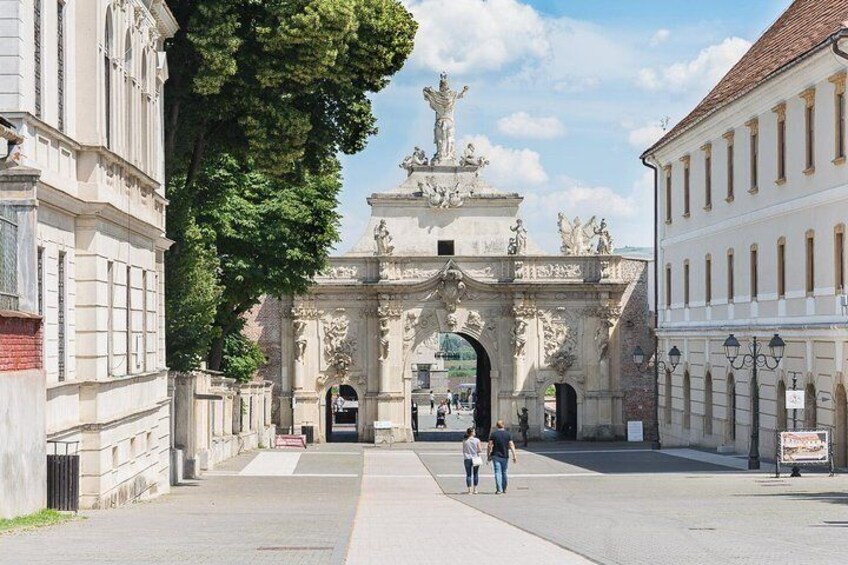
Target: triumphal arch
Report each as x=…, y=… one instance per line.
x=445, y=251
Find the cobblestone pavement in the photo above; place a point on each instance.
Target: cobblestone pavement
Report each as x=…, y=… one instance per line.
x=612, y=503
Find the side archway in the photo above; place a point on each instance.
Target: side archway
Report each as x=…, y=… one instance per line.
x=567, y=408
x=325, y=408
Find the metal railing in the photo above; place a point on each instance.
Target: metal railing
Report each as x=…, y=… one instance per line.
x=8, y=259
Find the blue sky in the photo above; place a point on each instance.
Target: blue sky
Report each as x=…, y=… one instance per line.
x=564, y=96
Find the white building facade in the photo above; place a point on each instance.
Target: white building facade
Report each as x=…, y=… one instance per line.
x=82, y=82
x=751, y=215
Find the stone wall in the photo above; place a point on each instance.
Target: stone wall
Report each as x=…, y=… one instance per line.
x=216, y=418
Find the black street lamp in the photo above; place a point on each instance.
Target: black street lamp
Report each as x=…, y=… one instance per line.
x=754, y=359
x=659, y=365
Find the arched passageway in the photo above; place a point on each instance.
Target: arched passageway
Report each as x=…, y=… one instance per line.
x=341, y=414
x=451, y=365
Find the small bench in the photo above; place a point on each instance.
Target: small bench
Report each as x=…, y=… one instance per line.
x=288, y=440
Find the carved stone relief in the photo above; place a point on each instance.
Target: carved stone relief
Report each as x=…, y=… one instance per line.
x=560, y=343
x=339, y=347
x=519, y=337
x=340, y=272
x=559, y=271
x=474, y=321
x=451, y=289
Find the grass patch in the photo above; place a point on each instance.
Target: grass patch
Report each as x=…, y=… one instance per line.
x=38, y=519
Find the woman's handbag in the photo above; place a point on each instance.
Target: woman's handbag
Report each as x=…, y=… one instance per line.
x=476, y=461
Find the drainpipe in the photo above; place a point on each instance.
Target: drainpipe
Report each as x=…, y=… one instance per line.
x=657, y=442
x=834, y=39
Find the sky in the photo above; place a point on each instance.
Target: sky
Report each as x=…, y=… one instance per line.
x=564, y=95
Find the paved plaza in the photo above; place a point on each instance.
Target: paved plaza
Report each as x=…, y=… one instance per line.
x=568, y=503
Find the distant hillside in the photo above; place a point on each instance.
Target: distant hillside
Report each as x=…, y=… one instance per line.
x=637, y=252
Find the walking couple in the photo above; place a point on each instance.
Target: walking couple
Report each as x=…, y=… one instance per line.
x=499, y=449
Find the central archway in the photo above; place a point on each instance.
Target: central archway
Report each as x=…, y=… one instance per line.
x=444, y=370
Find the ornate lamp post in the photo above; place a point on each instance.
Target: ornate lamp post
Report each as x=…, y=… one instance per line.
x=753, y=360
x=659, y=365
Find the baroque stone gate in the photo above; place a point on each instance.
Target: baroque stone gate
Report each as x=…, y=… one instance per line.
x=447, y=252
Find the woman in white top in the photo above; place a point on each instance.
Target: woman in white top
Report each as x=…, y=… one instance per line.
x=471, y=453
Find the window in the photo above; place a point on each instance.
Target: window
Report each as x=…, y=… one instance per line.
x=143, y=352
x=36, y=16
x=755, y=282
x=685, y=161
x=686, y=283
x=107, y=79
x=128, y=98
x=668, y=286
x=838, y=81
x=128, y=318
x=810, y=262
x=780, y=110
x=730, y=169
x=754, y=152
x=809, y=97
x=144, y=157
x=781, y=267
x=687, y=400
x=62, y=315
x=708, y=176
x=730, y=276
x=667, y=194
x=708, y=404
x=60, y=63
x=110, y=308
x=708, y=280
x=40, y=278
x=839, y=257
x=445, y=247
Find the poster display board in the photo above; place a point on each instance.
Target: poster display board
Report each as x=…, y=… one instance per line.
x=635, y=431
x=794, y=399
x=804, y=447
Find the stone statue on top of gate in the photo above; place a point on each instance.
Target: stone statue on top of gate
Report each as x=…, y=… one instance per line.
x=443, y=101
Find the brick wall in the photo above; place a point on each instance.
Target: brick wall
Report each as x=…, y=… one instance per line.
x=20, y=343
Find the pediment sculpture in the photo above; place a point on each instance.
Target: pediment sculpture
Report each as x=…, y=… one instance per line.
x=439, y=195
x=576, y=237
x=470, y=159
x=417, y=159
x=518, y=244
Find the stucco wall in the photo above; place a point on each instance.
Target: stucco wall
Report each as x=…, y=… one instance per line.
x=23, y=467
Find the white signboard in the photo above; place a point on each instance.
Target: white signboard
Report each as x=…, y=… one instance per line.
x=382, y=425
x=794, y=399
x=635, y=431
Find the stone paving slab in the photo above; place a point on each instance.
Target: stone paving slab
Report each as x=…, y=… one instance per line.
x=403, y=518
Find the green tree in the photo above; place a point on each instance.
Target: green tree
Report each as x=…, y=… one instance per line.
x=262, y=97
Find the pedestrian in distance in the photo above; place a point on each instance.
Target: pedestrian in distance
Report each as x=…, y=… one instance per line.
x=499, y=449
x=440, y=415
x=415, y=418
x=432, y=402
x=450, y=401
x=472, y=455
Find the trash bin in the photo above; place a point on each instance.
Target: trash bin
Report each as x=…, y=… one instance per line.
x=63, y=478
x=309, y=432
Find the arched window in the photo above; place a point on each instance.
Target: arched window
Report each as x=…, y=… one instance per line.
x=708, y=404
x=108, y=46
x=668, y=397
x=810, y=419
x=687, y=401
x=731, y=407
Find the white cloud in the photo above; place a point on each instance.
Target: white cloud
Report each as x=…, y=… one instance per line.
x=522, y=124
x=509, y=168
x=628, y=214
x=645, y=136
x=704, y=71
x=465, y=36
x=660, y=36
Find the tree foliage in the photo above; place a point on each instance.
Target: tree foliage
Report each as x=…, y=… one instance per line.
x=262, y=97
